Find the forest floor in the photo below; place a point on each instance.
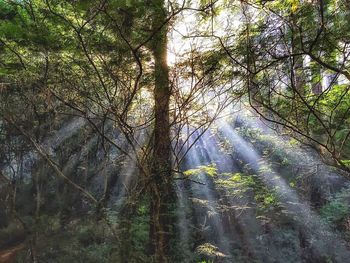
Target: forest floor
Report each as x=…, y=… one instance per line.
x=8, y=255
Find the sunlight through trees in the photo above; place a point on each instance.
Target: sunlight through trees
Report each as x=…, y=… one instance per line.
x=174, y=131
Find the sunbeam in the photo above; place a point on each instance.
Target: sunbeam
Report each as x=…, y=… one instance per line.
x=300, y=211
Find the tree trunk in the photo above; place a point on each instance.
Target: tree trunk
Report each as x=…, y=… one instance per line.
x=161, y=188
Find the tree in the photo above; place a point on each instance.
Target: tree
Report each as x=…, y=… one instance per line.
x=84, y=59
x=161, y=187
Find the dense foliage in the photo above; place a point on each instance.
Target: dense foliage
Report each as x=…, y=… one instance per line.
x=174, y=131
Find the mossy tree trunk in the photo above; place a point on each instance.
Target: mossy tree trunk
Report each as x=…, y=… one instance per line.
x=161, y=188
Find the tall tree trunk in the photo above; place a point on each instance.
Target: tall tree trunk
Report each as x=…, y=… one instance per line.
x=161, y=190
x=255, y=98
x=298, y=76
x=316, y=81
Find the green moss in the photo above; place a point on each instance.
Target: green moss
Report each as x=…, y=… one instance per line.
x=209, y=170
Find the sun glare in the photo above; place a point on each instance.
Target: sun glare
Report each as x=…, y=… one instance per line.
x=172, y=58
